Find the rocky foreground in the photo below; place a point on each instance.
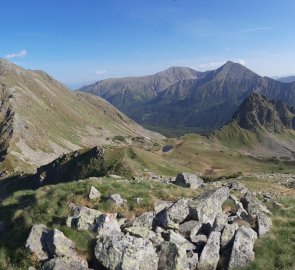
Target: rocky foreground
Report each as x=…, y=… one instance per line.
x=215, y=230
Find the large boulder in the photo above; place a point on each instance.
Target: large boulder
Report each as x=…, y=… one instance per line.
x=207, y=205
x=228, y=235
x=94, y=194
x=173, y=215
x=210, y=255
x=160, y=205
x=37, y=241
x=188, y=180
x=119, y=251
x=116, y=199
x=219, y=222
x=172, y=257
x=64, y=263
x=144, y=220
x=83, y=218
x=107, y=224
x=242, y=252
x=263, y=224
x=140, y=232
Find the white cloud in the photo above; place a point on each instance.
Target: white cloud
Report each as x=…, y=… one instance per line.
x=20, y=54
x=100, y=72
x=254, y=29
x=241, y=61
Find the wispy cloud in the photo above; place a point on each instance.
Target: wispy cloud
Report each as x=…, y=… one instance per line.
x=255, y=29
x=100, y=72
x=21, y=54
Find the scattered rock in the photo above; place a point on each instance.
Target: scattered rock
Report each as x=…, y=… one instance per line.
x=242, y=252
x=188, y=180
x=210, y=255
x=140, y=232
x=94, y=194
x=138, y=200
x=237, y=186
x=107, y=224
x=207, y=205
x=263, y=224
x=172, y=257
x=83, y=218
x=193, y=259
x=199, y=240
x=173, y=215
x=145, y=220
x=119, y=251
x=116, y=199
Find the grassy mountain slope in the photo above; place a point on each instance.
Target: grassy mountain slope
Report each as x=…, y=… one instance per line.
x=41, y=119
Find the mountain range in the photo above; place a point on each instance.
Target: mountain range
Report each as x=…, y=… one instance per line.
x=182, y=99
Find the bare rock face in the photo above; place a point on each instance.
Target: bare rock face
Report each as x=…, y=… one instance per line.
x=119, y=251
x=173, y=215
x=242, y=251
x=210, y=254
x=172, y=257
x=83, y=218
x=94, y=194
x=206, y=206
x=189, y=180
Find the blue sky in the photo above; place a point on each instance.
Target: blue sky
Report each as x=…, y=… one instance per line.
x=79, y=41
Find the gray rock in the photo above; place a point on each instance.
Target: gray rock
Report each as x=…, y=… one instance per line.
x=253, y=205
x=59, y=245
x=107, y=224
x=210, y=255
x=161, y=205
x=207, y=205
x=116, y=199
x=242, y=251
x=83, y=218
x=228, y=235
x=189, y=228
x=219, y=222
x=64, y=263
x=94, y=194
x=140, y=232
x=263, y=224
x=119, y=251
x=173, y=215
x=144, y=220
x=172, y=257
x=138, y=200
x=178, y=239
x=188, y=180
x=237, y=186
x=37, y=242
x=193, y=259
x=199, y=240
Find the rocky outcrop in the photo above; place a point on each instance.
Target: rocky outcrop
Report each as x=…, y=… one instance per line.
x=83, y=218
x=119, y=251
x=189, y=180
x=242, y=252
x=206, y=206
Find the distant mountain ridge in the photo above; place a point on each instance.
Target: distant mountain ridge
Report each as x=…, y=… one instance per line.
x=195, y=101
x=41, y=119
x=288, y=79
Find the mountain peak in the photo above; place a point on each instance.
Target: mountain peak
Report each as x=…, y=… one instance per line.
x=258, y=112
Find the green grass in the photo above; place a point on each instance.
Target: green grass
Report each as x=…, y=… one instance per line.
x=49, y=205
x=277, y=252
